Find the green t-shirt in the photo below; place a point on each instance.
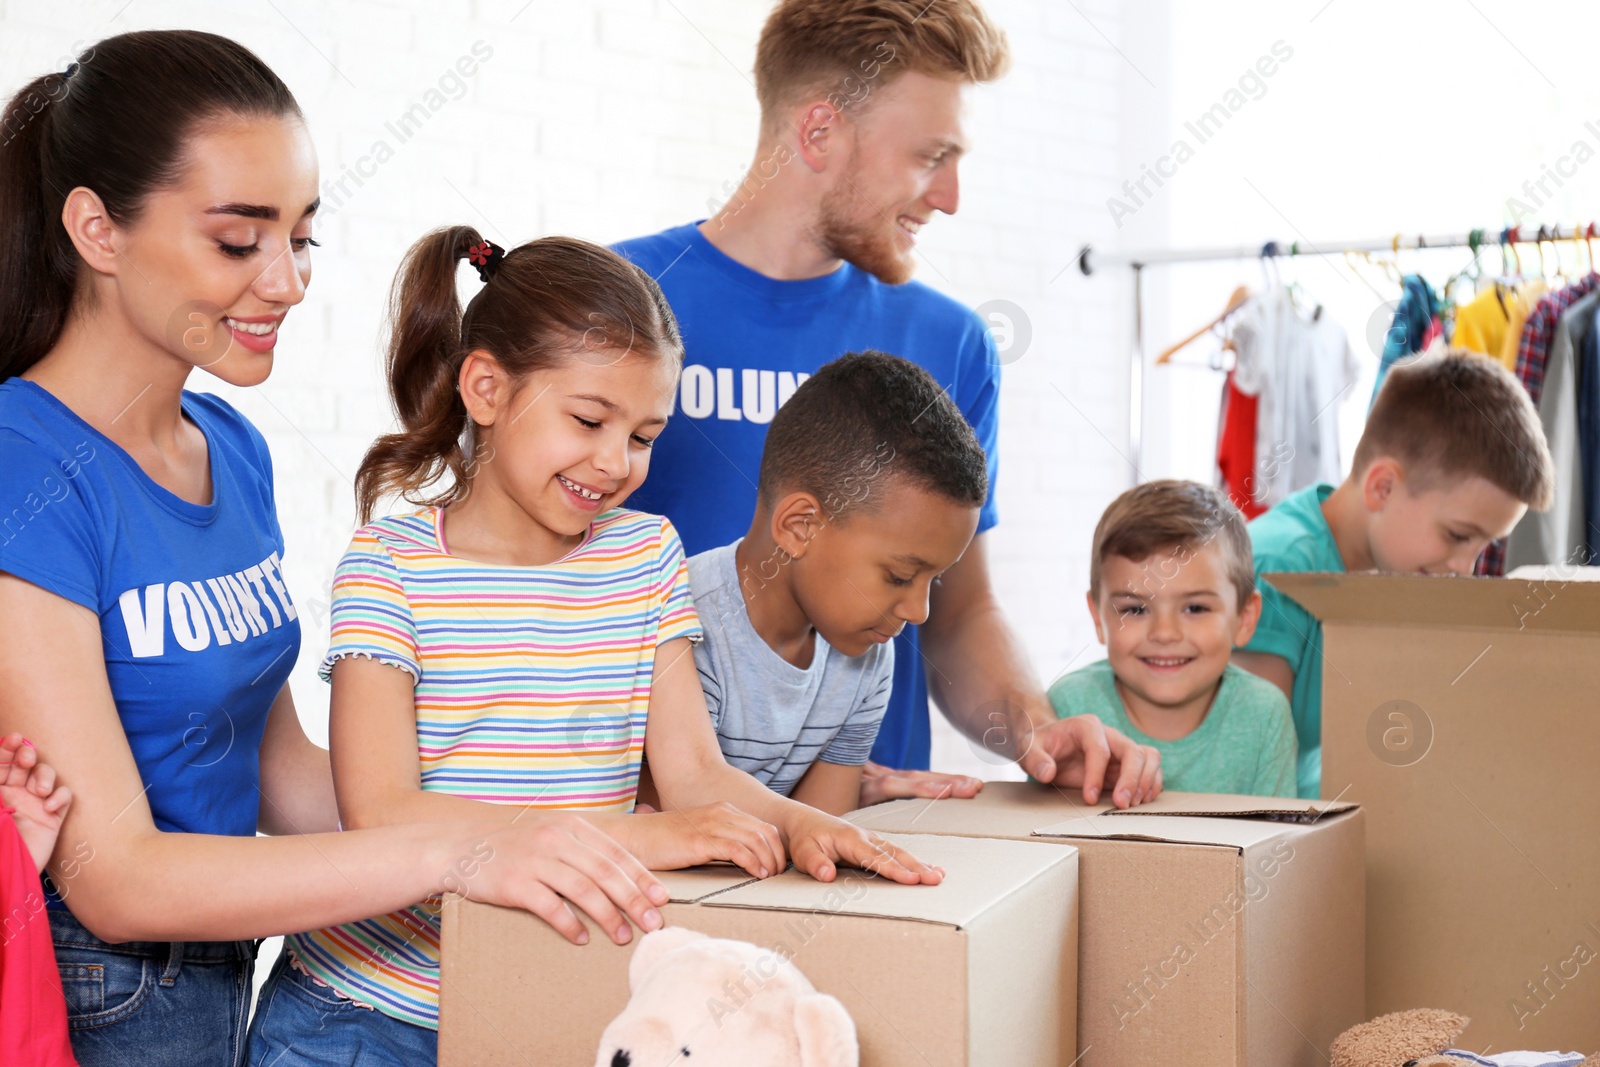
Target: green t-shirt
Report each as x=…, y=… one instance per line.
x=1294, y=536
x=1245, y=744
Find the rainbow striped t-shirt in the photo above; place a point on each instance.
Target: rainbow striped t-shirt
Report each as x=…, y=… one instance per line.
x=532, y=687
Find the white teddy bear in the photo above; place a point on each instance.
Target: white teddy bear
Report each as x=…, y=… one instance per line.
x=699, y=1001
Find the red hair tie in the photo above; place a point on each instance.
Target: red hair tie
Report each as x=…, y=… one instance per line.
x=486, y=256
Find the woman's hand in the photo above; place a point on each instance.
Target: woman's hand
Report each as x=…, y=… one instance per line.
x=550, y=864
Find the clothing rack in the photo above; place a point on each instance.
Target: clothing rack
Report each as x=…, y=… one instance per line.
x=1475, y=240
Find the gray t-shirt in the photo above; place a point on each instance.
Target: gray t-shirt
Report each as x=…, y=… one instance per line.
x=773, y=719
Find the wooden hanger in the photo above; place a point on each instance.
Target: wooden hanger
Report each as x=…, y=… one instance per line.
x=1235, y=302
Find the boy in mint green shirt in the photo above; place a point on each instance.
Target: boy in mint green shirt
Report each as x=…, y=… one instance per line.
x=1172, y=591
x=1452, y=456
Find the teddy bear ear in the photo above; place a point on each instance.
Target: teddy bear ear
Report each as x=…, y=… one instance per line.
x=826, y=1032
x=652, y=947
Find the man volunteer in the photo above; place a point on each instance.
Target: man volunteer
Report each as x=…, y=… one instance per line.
x=861, y=136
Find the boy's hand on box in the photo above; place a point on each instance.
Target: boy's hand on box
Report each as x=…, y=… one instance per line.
x=705, y=833
x=1082, y=752
x=880, y=783
x=821, y=842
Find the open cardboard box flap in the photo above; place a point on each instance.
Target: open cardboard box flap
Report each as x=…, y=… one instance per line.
x=1213, y=805
x=1393, y=600
x=1238, y=834
x=984, y=871
x=1024, y=810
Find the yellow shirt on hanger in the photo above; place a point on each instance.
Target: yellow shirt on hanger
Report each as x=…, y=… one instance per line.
x=1481, y=323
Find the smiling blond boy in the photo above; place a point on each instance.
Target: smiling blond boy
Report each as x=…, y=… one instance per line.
x=1172, y=592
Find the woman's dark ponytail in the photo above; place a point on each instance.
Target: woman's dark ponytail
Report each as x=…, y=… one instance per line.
x=118, y=125
x=37, y=261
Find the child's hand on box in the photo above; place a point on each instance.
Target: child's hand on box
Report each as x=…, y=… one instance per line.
x=30, y=795
x=704, y=833
x=880, y=783
x=820, y=843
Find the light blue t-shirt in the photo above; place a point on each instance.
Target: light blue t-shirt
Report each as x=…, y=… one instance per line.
x=750, y=340
x=1244, y=745
x=773, y=719
x=1294, y=536
x=197, y=627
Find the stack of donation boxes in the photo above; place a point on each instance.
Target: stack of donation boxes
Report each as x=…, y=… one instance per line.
x=1206, y=930
x=1212, y=930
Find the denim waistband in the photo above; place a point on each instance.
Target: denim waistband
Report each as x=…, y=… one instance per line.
x=66, y=930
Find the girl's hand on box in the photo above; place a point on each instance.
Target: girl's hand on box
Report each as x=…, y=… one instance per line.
x=704, y=833
x=821, y=843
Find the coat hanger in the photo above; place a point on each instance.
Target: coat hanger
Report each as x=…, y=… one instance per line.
x=1550, y=235
x=1361, y=262
x=1509, y=252
x=1235, y=302
x=1472, y=272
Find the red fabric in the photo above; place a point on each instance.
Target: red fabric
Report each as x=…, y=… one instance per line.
x=33, y=1011
x=1236, y=448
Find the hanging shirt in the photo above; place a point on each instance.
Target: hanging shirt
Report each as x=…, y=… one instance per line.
x=1298, y=368
x=1236, y=448
x=196, y=625
x=1520, y=303
x=1589, y=433
x=1533, y=351
x=1540, y=332
x=1556, y=535
x=1481, y=323
x=1415, y=325
x=749, y=341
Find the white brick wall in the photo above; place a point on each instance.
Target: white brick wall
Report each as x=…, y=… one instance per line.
x=612, y=118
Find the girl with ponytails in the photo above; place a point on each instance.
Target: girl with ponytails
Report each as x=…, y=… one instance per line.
x=523, y=641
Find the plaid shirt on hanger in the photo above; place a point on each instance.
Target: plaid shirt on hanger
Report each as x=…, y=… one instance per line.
x=1538, y=334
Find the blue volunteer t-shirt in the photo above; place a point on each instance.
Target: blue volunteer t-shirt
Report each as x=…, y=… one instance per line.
x=196, y=622
x=750, y=340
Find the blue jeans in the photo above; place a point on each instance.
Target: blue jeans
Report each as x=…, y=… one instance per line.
x=150, y=1003
x=299, y=1023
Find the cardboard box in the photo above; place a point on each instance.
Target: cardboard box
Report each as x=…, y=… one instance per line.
x=1461, y=714
x=1214, y=931
x=979, y=970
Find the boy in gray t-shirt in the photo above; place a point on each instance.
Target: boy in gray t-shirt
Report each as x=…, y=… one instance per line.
x=870, y=486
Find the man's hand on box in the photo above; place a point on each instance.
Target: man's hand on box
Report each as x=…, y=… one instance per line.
x=1082, y=752
x=880, y=783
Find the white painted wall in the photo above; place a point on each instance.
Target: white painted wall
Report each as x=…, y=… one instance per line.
x=612, y=118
